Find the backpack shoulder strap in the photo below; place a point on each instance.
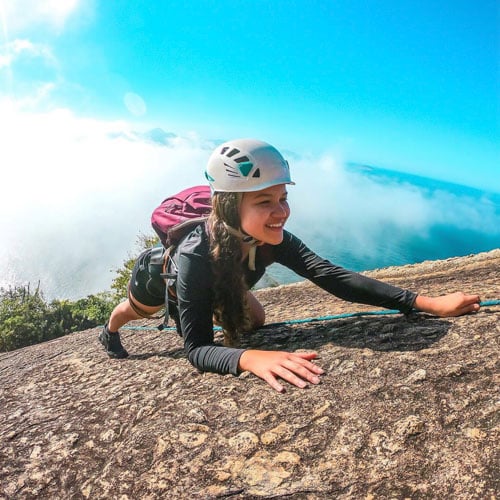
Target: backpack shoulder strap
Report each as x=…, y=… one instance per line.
x=176, y=233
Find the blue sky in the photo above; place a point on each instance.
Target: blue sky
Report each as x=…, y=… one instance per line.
x=408, y=85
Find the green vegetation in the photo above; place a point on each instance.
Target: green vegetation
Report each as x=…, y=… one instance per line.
x=26, y=318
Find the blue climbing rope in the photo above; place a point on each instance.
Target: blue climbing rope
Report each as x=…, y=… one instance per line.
x=485, y=303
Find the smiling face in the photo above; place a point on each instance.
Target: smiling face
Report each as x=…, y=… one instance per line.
x=264, y=213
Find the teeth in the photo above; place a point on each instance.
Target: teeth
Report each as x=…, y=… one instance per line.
x=275, y=225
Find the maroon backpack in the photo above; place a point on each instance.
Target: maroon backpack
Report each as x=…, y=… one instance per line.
x=179, y=213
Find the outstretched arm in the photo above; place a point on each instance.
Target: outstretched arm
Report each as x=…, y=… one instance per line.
x=355, y=287
x=452, y=304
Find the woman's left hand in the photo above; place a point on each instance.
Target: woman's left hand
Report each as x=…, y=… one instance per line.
x=452, y=304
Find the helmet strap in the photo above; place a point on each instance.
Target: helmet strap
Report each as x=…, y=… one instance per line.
x=249, y=240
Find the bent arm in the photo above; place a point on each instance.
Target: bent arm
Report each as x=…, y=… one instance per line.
x=195, y=303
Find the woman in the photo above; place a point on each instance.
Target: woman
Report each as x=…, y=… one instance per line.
x=219, y=261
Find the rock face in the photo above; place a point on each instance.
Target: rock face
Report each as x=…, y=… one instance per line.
x=407, y=408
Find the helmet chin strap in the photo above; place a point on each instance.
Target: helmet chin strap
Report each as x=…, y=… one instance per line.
x=249, y=240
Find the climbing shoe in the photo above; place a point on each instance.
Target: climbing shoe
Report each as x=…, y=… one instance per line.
x=112, y=344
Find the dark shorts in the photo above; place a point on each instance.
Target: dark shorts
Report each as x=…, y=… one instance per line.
x=146, y=284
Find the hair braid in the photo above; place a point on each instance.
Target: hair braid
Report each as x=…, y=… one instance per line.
x=230, y=307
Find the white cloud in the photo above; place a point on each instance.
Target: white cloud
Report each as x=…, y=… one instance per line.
x=29, y=68
x=21, y=15
x=22, y=48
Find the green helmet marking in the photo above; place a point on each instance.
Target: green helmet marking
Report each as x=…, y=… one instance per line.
x=245, y=167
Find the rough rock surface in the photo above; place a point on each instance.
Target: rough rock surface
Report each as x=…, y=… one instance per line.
x=408, y=407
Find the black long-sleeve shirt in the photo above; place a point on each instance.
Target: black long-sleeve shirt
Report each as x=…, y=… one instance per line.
x=194, y=289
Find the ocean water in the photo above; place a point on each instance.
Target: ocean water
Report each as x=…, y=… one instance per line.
x=389, y=218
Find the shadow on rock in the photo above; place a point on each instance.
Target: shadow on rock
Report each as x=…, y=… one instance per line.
x=396, y=333
x=174, y=354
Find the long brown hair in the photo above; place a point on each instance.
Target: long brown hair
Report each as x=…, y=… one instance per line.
x=230, y=307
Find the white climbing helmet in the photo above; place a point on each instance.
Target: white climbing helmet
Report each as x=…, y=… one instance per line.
x=244, y=165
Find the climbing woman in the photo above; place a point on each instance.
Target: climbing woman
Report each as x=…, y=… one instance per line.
x=213, y=268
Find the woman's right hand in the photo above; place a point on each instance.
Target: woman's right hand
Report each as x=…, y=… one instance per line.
x=294, y=367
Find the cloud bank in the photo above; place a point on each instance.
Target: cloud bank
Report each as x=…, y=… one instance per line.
x=364, y=218
x=76, y=193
